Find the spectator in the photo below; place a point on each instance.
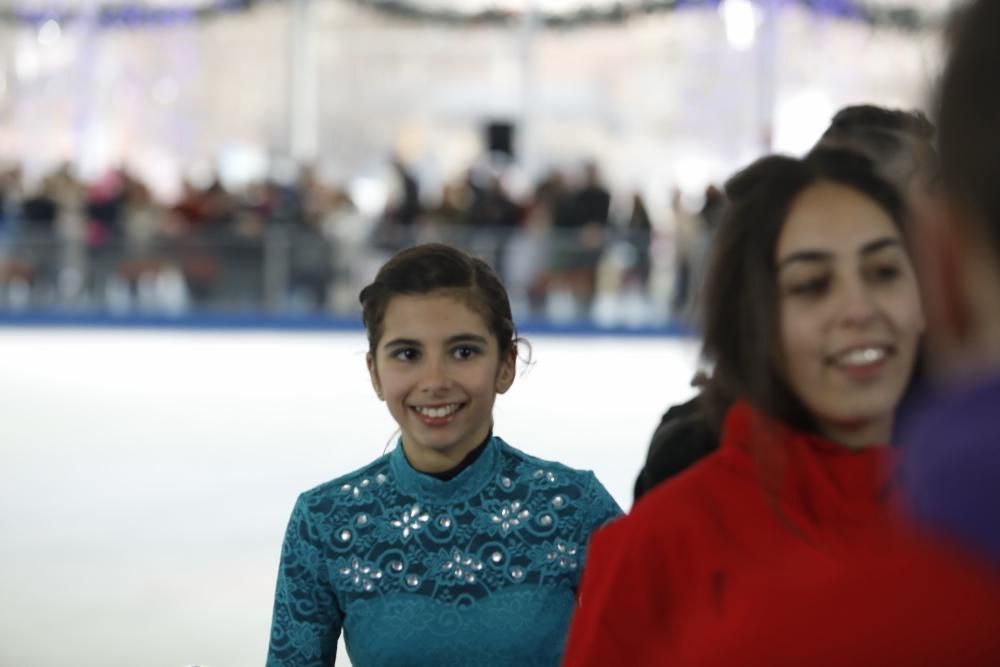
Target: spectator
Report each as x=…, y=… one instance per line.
x=899, y=142
x=813, y=323
x=579, y=232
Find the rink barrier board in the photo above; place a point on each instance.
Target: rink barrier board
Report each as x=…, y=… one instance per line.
x=297, y=323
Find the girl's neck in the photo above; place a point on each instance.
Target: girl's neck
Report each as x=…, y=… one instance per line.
x=873, y=433
x=469, y=459
x=434, y=461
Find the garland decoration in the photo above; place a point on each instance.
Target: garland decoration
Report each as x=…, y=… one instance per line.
x=123, y=15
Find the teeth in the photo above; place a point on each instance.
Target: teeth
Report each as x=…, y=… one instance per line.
x=862, y=356
x=437, y=413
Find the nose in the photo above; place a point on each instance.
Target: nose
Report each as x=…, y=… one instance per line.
x=858, y=307
x=435, y=376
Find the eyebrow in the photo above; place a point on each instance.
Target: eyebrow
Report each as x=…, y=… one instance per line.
x=869, y=248
x=451, y=340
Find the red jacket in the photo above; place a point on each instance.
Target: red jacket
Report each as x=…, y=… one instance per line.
x=726, y=564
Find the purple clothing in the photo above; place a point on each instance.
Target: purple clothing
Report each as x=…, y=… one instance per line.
x=951, y=468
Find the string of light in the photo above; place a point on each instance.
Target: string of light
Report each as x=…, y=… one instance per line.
x=119, y=15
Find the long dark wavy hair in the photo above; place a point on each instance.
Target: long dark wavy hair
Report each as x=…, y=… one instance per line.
x=741, y=299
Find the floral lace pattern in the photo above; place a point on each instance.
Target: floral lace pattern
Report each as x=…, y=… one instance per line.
x=419, y=571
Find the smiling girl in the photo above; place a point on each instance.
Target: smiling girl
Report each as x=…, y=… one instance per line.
x=454, y=548
x=812, y=325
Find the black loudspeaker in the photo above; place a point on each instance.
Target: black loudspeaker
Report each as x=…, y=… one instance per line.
x=500, y=138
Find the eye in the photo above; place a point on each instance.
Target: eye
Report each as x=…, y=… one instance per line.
x=466, y=352
x=885, y=273
x=812, y=287
x=405, y=354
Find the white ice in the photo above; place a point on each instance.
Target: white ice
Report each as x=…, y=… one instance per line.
x=146, y=477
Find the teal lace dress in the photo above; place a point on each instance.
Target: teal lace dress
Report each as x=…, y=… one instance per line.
x=481, y=569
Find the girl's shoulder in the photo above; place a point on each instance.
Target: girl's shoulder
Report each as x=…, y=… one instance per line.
x=353, y=484
x=567, y=486
x=541, y=469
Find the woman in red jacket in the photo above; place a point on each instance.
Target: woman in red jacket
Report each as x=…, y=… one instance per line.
x=812, y=326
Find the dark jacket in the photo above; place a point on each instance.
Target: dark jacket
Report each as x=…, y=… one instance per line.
x=683, y=437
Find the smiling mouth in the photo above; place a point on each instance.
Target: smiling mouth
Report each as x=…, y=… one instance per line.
x=864, y=363
x=437, y=411
x=861, y=356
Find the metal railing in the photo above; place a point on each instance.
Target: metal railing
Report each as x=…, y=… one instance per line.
x=610, y=276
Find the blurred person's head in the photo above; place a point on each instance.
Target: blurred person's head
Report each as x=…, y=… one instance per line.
x=961, y=244
x=900, y=143
x=812, y=311
x=591, y=173
x=714, y=204
x=442, y=345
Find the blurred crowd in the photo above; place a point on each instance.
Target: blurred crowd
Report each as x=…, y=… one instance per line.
x=569, y=248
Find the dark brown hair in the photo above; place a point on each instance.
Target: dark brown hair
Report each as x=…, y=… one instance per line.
x=900, y=143
x=741, y=332
x=435, y=267
x=969, y=116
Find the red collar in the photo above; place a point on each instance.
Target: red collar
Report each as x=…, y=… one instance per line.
x=805, y=472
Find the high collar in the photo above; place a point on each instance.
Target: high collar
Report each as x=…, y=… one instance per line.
x=809, y=476
x=461, y=487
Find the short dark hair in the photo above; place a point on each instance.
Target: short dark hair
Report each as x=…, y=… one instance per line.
x=435, y=267
x=899, y=142
x=741, y=330
x=969, y=116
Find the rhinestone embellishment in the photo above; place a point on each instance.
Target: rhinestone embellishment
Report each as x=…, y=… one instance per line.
x=355, y=490
x=411, y=521
x=510, y=516
x=564, y=555
x=361, y=575
x=462, y=566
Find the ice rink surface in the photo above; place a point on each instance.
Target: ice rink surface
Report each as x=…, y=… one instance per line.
x=146, y=476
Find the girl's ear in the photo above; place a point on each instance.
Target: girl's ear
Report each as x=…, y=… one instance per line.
x=373, y=374
x=506, y=372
